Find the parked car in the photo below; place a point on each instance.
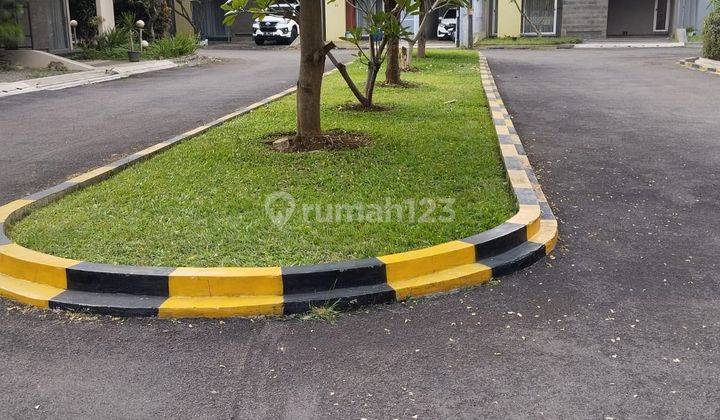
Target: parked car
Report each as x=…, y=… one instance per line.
x=446, y=27
x=279, y=25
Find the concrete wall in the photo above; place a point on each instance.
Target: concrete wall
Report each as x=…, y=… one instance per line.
x=691, y=13
x=584, y=18
x=41, y=25
x=106, y=10
x=334, y=20
x=182, y=26
x=509, y=19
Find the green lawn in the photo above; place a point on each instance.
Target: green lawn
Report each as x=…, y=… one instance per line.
x=530, y=40
x=202, y=203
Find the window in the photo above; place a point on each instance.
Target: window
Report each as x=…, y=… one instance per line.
x=542, y=15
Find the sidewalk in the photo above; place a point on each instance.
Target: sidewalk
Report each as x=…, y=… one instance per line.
x=630, y=42
x=104, y=72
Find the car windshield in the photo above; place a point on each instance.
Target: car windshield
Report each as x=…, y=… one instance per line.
x=451, y=14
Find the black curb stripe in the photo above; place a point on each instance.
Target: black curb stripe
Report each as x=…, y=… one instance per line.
x=513, y=163
x=341, y=299
x=546, y=212
x=51, y=194
x=520, y=149
x=105, y=278
x=4, y=240
x=327, y=277
x=113, y=304
x=126, y=161
x=505, y=139
x=499, y=239
x=515, y=259
x=526, y=196
x=531, y=176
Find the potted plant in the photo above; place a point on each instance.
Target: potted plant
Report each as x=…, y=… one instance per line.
x=134, y=56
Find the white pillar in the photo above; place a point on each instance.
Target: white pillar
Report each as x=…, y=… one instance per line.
x=104, y=9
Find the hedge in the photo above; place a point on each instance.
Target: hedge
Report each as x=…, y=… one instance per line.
x=711, y=36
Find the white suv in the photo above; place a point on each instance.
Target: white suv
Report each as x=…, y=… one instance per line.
x=278, y=25
x=446, y=27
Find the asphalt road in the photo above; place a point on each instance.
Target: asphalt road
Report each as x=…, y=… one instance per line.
x=47, y=136
x=622, y=321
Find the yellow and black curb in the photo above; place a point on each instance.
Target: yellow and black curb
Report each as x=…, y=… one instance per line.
x=59, y=283
x=692, y=63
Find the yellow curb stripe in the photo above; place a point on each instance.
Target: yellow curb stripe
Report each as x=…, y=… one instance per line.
x=92, y=174
x=27, y=292
x=221, y=306
x=519, y=178
x=462, y=276
x=26, y=264
x=11, y=207
x=546, y=235
x=424, y=261
x=508, y=150
x=229, y=281
x=502, y=129
x=156, y=147
x=528, y=215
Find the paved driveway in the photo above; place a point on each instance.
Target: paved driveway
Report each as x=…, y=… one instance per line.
x=47, y=136
x=623, y=321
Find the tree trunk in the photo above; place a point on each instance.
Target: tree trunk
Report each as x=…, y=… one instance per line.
x=409, y=58
x=421, y=38
x=392, y=72
x=373, y=70
x=312, y=65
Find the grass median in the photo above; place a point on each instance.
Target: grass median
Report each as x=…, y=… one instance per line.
x=205, y=202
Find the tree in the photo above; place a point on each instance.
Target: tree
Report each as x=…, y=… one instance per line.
x=381, y=27
x=392, y=70
x=421, y=42
x=158, y=13
x=312, y=64
x=10, y=32
x=435, y=5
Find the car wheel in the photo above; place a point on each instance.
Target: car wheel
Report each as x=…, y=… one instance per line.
x=259, y=41
x=293, y=34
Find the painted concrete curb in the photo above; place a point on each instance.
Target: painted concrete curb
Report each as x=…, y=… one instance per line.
x=93, y=76
x=59, y=283
x=692, y=63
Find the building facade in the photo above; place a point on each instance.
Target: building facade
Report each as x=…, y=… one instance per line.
x=45, y=24
x=592, y=18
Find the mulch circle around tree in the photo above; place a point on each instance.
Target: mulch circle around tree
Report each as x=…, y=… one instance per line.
x=329, y=140
x=354, y=106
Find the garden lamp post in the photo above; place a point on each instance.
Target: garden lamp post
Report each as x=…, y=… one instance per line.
x=140, y=24
x=73, y=26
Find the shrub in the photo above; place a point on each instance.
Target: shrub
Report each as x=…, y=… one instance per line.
x=114, y=38
x=711, y=36
x=115, y=44
x=174, y=46
x=10, y=32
